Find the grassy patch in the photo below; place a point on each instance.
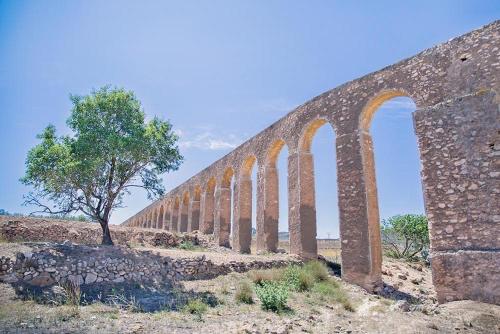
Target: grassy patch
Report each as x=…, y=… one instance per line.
x=187, y=245
x=190, y=246
x=244, y=293
x=331, y=290
x=3, y=240
x=196, y=307
x=271, y=285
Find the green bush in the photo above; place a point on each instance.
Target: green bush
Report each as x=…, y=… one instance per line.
x=291, y=277
x=405, y=236
x=273, y=295
x=195, y=307
x=187, y=245
x=244, y=294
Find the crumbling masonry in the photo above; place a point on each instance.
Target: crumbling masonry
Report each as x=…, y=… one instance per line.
x=456, y=89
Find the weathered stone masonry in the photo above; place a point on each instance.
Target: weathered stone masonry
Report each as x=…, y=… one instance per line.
x=455, y=87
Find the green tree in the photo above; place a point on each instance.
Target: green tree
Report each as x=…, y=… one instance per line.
x=112, y=149
x=404, y=236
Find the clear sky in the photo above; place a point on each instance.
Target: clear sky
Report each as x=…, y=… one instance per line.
x=220, y=71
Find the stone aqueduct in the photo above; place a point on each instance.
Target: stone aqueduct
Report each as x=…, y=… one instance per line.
x=456, y=89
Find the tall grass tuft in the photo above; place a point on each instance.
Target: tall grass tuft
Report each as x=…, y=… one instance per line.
x=244, y=294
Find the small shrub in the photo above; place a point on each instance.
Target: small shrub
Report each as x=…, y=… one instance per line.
x=187, y=245
x=318, y=270
x=298, y=279
x=244, y=294
x=196, y=307
x=306, y=281
x=273, y=295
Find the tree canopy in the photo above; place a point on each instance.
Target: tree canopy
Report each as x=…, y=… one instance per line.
x=405, y=235
x=111, y=150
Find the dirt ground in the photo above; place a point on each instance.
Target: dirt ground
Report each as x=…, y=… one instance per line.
x=308, y=312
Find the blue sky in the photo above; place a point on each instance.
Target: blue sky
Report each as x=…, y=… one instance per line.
x=220, y=71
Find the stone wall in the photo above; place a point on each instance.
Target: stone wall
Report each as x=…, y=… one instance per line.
x=49, y=264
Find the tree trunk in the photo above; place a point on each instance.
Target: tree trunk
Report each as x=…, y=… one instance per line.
x=106, y=235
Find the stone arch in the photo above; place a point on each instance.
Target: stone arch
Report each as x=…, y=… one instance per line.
x=227, y=177
x=197, y=192
x=307, y=135
x=247, y=166
x=356, y=149
x=303, y=238
x=273, y=152
x=268, y=198
x=373, y=104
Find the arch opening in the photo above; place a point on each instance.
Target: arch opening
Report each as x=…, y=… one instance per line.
x=319, y=140
x=272, y=224
x=393, y=171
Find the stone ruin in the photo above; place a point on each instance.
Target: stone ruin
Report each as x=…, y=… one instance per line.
x=456, y=89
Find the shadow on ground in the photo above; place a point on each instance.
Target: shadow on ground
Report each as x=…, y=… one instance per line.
x=333, y=266
x=132, y=296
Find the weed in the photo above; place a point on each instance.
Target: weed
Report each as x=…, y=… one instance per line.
x=187, y=245
x=196, y=307
x=72, y=293
x=317, y=270
x=273, y=295
x=121, y=301
x=332, y=290
x=244, y=294
x=298, y=279
x=224, y=290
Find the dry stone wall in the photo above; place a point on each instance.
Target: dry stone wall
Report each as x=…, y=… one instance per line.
x=50, y=264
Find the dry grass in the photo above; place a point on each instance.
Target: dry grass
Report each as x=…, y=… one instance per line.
x=244, y=293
